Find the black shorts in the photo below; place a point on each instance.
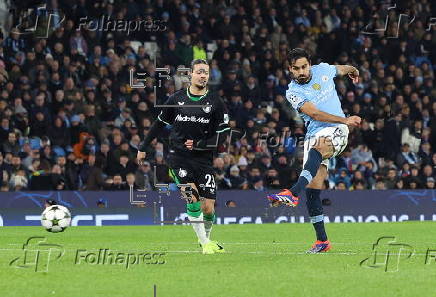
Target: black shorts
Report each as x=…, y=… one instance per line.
x=196, y=170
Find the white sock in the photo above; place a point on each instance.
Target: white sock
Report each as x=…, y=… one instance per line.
x=199, y=229
x=208, y=228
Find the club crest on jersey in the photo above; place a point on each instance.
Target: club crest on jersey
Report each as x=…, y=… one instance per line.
x=207, y=108
x=316, y=87
x=226, y=118
x=182, y=172
x=324, y=78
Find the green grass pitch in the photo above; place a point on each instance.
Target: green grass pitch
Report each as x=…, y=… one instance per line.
x=261, y=261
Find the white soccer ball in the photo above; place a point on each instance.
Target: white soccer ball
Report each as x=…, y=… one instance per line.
x=56, y=218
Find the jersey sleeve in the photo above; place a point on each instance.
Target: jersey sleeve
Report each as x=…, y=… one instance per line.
x=167, y=113
x=221, y=117
x=329, y=70
x=295, y=99
x=219, y=129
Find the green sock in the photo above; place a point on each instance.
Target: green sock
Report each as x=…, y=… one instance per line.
x=194, y=209
x=208, y=222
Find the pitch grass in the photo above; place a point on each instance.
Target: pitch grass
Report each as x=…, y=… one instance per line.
x=261, y=260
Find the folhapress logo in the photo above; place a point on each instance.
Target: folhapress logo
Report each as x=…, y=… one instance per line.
x=202, y=120
x=40, y=22
x=387, y=254
x=37, y=254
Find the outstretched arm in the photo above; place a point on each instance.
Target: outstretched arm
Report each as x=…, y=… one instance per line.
x=155, y=130
x=349, y=70
x=310, y=109
x=165, y=117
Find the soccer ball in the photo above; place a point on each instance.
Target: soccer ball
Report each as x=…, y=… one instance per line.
x=56, y=218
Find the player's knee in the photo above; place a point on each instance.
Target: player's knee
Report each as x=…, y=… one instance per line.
x=190, y=193
x=195, y=196
x=324, y=149
x=320, y=149
x=208, y=208
x=208, y=212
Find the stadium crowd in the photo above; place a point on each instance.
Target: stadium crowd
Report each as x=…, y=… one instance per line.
x=71, y=120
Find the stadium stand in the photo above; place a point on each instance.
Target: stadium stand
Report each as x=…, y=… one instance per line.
x=70, y=119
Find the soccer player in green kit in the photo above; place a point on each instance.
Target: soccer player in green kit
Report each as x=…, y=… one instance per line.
x=195, y=133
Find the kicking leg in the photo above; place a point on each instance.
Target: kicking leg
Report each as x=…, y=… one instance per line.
x=323, y=149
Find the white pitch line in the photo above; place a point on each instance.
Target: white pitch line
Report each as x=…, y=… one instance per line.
x=269, y=243
x=235, y=243
x=237, y=252
x=199, y=251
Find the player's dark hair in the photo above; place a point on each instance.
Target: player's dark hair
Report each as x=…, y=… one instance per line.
x=50, y=202
x=298, y=53
x=197, y=62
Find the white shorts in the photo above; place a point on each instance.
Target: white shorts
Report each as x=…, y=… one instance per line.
x=339, y=136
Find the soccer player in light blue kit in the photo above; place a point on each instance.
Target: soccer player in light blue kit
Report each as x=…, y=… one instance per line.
x=312, y=93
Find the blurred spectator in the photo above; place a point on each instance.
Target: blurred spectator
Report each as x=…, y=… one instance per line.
x=59, y=133
x=230, y=203
x=412, y=136
x=91, y=174
x=116, y=184
x=392, y=136
x=144, y=177
x=406, y=156
x=359, y=179
x=18, y=180
x=234, y=180
x=257, y=184
x=399, y=185
x=380, y=185
x=131, y=181
x=11, y=145
x=425, y=153
x=101, y=203
x=124, y=116
x=430, y=183
x=391, y=179
x=57, y=179
x=343, y=177
x=124, y=166
x=358, y=185
x=272, y=180
x=340, y=185
x=361, y=155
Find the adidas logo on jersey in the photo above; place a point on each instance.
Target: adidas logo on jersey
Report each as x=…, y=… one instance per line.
x=202, y=120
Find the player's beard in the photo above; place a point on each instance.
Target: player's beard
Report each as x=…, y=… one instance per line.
x=201, y=85
x=304, y=80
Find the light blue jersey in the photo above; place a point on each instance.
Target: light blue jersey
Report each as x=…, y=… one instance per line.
x=321, y=91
